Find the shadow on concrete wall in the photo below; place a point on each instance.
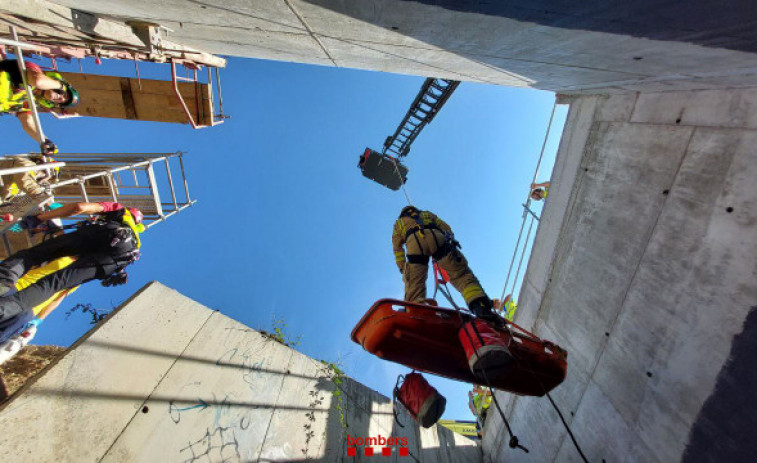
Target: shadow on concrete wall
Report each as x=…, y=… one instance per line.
x=728, y=24
x=725, y=427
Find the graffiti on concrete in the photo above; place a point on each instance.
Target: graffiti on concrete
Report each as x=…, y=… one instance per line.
x=220, y=445
x=175, y=411
x=251, y=370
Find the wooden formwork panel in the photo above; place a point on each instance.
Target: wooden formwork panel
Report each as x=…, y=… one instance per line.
x=146, y=100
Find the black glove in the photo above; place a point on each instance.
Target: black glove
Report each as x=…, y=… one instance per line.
x=47, y=147
x=115, y=279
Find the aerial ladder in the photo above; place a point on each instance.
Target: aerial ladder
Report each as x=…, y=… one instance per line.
x=386, y=167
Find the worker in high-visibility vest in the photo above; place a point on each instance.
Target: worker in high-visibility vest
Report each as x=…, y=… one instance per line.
x=539, y=191
x=103, y=246
x=35, y=182
x=506, y=307
x=50, y=91
x=479, y=401
x=424, y=236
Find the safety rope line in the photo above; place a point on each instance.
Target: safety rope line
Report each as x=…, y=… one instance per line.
x=526, y=210
x=402, y=181
x=567, y=428
x=441, y=285
x=522, y=255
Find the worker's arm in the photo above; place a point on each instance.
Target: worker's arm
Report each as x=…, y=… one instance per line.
x=72, y=209
x=398, y=241
x=539, y=185
x=37, y=79
x=26, y=118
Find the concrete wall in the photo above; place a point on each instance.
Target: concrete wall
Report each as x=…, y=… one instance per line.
x=166, y=379
x=645, y=269
x=588, y=46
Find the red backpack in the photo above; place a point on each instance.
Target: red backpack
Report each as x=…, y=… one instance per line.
x=485, y=347
x=422, y=401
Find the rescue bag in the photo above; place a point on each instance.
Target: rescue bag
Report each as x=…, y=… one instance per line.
x=485, y=348
x=422, y=401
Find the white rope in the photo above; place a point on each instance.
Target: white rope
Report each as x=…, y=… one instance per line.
x=525, y=213
x=402, y=182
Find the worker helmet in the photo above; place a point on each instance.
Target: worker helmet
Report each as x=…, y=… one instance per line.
x=72, y=95
x=408, y=211
x=137, y=214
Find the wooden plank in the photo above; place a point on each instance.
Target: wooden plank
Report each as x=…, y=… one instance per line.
x=148, y=100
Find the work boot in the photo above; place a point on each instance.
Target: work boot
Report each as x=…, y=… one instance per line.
x=483, y=309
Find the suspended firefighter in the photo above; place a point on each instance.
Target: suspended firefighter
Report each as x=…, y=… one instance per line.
x=103, y=246
x=424, y=236
x=420, y=399
x=50, y=91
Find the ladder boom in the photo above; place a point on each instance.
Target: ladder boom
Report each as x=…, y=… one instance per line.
x=430, y=99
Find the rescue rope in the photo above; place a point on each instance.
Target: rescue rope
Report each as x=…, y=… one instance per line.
x=441, y=285
x=402, y=181
x=526, y=211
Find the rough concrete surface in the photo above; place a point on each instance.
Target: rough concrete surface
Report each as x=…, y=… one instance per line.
x=577, y=47
x=166, y=379
x=644, y=268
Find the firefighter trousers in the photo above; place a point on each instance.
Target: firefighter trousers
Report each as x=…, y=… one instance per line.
x=20, y=305
x=432, y=243
x=86, y=240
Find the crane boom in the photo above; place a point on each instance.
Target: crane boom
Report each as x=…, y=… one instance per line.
x=385, y=167
x=430, y=99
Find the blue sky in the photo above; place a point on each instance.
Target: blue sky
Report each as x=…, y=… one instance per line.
x=285, y=226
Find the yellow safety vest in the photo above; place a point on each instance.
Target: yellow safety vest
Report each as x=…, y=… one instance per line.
x=36, y=274
x=137, y=228
x=9, y=100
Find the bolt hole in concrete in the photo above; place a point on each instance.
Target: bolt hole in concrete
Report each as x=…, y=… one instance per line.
x=586, y=170
x=649, y=374
x=678, y=121
x=145, y=409
x=607, y=334
x=394, y=28
x=729, y=209
x=638, y=58
x=665, y=192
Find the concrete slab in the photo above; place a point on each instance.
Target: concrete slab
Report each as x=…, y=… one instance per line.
x=650, y=279
x=82, y=391
x=233, y=370
x=563, y=47
x=714, y=108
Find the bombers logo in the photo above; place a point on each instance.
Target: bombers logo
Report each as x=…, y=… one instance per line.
x=386, y=450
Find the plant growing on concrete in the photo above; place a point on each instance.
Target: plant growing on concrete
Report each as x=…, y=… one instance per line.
x=335, y=373
x=97, y=315
x=279, y=335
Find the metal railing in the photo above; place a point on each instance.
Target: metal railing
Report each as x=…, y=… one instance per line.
x=132, y=179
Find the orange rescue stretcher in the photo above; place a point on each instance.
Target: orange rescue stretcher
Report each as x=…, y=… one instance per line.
x=425, y=338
